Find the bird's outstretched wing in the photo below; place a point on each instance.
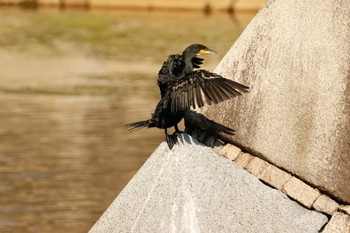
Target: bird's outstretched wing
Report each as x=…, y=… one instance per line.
x=201, y=87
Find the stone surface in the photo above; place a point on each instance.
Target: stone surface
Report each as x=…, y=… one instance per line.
x=233, y=152
x=345, y=209
x=223, y=150
x=295, y=57
x=301, y=192
x=243, y=159
x=340, y=223
x=268, y=173
x=192, y=189
x=326, y=205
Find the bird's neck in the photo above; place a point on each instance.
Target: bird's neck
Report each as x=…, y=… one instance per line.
x=187, y=61
x=188, y=64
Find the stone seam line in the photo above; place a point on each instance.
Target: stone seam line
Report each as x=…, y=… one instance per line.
x=293, y=187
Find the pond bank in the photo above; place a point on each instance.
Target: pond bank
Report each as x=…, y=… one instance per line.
x=204, y=5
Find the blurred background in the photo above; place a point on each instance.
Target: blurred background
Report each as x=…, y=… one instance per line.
x=72, y=73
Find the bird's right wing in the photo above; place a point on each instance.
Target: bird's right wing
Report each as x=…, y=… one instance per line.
x=200, y=88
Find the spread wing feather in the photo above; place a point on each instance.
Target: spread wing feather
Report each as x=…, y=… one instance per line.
x=202, y=87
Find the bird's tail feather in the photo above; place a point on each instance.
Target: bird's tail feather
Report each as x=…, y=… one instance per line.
x=137, y=124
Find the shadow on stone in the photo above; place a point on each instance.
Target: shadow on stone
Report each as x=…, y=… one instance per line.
x=199, y=125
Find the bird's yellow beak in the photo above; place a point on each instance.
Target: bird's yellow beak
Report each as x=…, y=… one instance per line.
x=206, y=51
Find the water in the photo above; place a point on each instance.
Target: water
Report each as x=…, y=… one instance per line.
x=69, y=81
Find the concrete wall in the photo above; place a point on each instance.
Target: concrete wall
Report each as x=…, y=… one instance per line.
x=295, y=56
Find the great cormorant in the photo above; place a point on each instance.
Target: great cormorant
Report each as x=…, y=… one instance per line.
x=183, y=88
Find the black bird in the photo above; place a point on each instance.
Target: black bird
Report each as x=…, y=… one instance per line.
x=183, y=88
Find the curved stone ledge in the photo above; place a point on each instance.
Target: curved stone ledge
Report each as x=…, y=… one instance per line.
x=192, y=189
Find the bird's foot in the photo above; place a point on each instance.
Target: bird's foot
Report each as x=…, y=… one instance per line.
x=171, y=140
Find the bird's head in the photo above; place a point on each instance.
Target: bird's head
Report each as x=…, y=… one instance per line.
x=196, y=50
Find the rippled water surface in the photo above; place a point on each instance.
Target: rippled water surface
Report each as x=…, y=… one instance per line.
x=69, y=81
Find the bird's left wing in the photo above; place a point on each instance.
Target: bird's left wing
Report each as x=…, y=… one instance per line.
x=201, y=87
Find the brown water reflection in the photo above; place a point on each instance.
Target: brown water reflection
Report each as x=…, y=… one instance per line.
x=64, y=154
